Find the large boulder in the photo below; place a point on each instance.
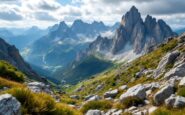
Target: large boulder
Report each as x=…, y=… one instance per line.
x=111, y=94
x=175, y=101
x=163, y=94
x=94, y=112
x=166, y=60
x=38, y=87
x=135, y=91
x=179, y=71
x=9, y=105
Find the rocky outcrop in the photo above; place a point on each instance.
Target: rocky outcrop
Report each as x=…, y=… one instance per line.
x=135, y=91
x=163, y=94
x=175, y=101
x=182, y=82
x=11, y=54
x=9, y=105
x=93, y=98
x=39, y=87
x=166, y=60
x=179, y=71
x=140, y=35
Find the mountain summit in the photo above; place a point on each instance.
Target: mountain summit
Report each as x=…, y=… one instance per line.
x=134, y=34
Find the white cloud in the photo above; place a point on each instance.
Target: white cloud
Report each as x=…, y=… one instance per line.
x=48, y=12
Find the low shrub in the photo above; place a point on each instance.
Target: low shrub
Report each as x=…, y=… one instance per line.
x=131, y=101
x=100, y=105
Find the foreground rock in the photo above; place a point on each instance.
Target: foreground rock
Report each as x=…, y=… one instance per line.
x=179, y=71
x=38, y=87
x=166, y=60
x=111, y=94
x=175, y=101
x=163, y=94
x=136, y=91
x=9, y=105
x=94, y=112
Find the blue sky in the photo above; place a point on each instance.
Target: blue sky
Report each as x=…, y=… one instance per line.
x=44, y=13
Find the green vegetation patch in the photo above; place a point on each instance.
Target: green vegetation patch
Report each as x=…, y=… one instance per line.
x=10, y=72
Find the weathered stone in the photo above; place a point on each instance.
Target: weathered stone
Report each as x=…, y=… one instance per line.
x=111, y=94
x=166, y=60
x=94, y=98
x=99, y=87
x=136, y=91
x=94, y=112
x=9, y=105
x=177, y=71
x=175, y=101
x=163, y=94
x=38, y=87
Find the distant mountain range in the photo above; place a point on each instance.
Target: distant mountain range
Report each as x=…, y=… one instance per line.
x=22, y=38
x=133, y=38
x=60, y=46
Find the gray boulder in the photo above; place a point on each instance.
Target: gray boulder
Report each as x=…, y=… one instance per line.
x=99, y=87
x=167, y=59
x=38, y=87
x=9, y=105
x=163, y=94
x=111, y=94
x=177, y=71
x=175, y=101
x=94, y=98
x=94, y=112
x=152, y=86
x=135, y=91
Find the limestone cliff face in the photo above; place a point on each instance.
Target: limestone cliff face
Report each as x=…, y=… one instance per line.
x=138, y=33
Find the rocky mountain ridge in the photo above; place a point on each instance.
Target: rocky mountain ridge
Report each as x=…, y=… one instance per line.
x=134, y=34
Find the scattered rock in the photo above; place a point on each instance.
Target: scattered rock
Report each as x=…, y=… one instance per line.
x=114, y=112
x=175, y=101
x=94, y=112
x=182, y=82
x=151, y=86
x=136, y=91
x=111, y=94
x=123, y=87
x=80, y=89
x=163, y=94
x=177, y=71
x=166, y=60
x=94, y=98
x=9, y=105
x=38, y=87
x=99, y=87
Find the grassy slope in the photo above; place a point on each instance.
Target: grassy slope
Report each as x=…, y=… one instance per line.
x=84, y=69
x=122, y=75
